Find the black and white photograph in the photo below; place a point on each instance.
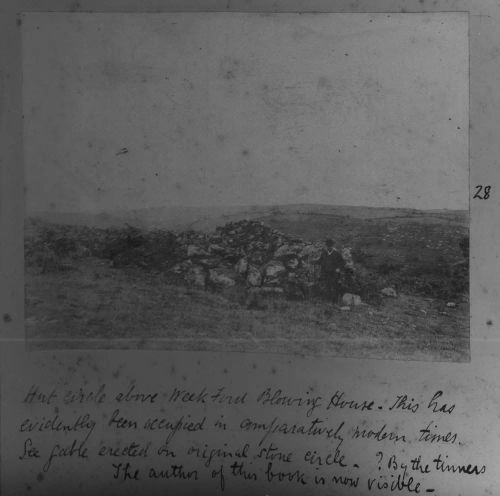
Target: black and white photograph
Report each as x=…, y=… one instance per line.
x=273, y=183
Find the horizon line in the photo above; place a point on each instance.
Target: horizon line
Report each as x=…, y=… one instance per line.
x=245, y=206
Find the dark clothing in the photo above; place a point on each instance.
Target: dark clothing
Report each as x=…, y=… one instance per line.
x=350, y=281
x=331, y=264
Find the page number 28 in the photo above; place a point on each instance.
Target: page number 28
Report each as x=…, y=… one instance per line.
x=482, y=192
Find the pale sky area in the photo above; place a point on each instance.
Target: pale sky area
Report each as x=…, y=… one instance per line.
x=125, y=111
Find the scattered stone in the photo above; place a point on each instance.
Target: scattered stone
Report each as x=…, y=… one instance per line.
x=180, y=268
x=241, y=266
x=351, y=299
x=310, y=251
x=254, y=277
x=292, y=262
x=287, y=250
x=222, y=277
x=282, y=251
x=215, y=248
x=391, y=292
x=209, y=263
x=193, y=251
x=274, y=269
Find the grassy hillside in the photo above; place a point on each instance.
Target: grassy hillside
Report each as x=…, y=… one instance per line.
x=77, y=293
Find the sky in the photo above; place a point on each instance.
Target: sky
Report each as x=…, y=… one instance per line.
x=128, y=111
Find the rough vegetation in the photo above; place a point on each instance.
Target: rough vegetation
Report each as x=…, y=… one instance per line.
x=409, y=283
x=261, y=260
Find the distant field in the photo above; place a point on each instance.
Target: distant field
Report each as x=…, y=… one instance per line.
x=83, y=301
x=208, y=218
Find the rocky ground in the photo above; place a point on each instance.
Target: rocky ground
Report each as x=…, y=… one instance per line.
x=247, y=286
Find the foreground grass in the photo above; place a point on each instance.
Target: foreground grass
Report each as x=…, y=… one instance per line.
x=95, y=306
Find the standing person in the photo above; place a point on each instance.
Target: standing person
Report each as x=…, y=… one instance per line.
x=331, y=264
